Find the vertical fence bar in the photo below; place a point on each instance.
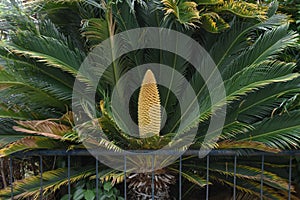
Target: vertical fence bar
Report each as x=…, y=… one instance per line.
x=69, y=175
x=152, y=181
x=97, y=178
x=234, y=178
x=290, y=177
x=180, y=179
x=11, y=177
x=262, y=176
x=125, y=184
x=207, y=177
x=41, y=177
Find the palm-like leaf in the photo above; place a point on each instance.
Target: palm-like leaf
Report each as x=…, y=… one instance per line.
x=29, y=142
x=207, y=13
x=52, y=181
x=243, y=9
x=275, y=133
x=45, y=128
x=247, y=55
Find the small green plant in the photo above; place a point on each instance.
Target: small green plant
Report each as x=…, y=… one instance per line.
x=86, y=190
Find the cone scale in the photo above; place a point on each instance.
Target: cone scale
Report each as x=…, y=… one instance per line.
x=149, y=113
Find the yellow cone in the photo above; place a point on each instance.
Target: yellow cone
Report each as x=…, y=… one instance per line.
x=149, y=114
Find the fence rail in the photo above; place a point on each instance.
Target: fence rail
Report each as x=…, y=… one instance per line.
x=214, y=153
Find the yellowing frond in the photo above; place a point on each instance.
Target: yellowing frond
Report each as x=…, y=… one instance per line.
x=186, y=12
x=46, y=128
x=149, y=114
x=248, y=145
x=213, y=23
x=243, y=9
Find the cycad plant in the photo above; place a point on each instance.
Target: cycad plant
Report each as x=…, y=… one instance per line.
x=41, y=64
x=149, y=121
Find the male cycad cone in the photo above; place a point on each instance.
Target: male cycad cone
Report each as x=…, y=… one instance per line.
x=149, y=114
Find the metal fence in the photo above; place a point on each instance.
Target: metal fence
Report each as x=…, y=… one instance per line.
x=214, y=153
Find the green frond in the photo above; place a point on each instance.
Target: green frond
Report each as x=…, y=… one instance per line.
x=263, y=102
x=251, y=87
x=250, y=187
x=266, y=47
x=110, y=128
x=31, y=92
x=44, y=58
x=109, y=75
x=29, y=143
x=192, y=177
x=66, y=15
x=52, y=181
x=236, y=95
x=273, y=7
x=248, y=178
x=258, y=73
x=49, y=47
x=126, y=19
x=38, y=85
x=252, y=173
x=13, y=113
x=274, y=133
x=248, y=79
x=114, y=176
x=6, y=139
x=53, y=81
x=95, y=30
x=289, y=104
x=229, y=131
x=7, y=134
x=48, y=29
x=235, y=39
x=101, y=143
